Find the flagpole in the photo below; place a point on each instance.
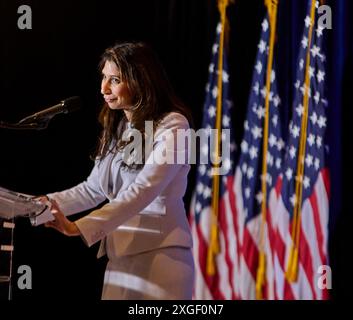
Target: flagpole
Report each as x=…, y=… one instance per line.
x=272, y=6
x=292, y=267
x=214, y=241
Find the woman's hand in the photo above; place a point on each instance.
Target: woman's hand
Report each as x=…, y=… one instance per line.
x=61, y=223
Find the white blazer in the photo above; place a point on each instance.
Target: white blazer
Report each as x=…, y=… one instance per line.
x=145, y=209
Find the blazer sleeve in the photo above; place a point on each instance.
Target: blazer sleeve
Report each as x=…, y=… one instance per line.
x=149, y=183
x=84, y=196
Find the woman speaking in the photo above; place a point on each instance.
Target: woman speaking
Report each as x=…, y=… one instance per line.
x=143, y=228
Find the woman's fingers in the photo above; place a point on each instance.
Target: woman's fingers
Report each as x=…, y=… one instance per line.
x=54, y=206
x=52, y=224
x=42, y=199
x=59, y=217
x=61, y=223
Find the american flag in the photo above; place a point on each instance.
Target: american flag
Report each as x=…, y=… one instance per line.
x=314, y=205
x=218, y=285
x=249, y=175
x=239, y=219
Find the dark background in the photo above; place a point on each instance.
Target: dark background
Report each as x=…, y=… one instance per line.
x=58, y=58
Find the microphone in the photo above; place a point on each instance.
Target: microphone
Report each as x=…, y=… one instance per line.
x=65, y=106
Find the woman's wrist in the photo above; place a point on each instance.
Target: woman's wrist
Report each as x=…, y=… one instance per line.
x=74, y=230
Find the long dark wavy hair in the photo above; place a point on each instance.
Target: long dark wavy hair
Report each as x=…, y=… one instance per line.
x=152, y=96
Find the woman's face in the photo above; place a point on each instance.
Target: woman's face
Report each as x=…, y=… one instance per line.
x=115, y=92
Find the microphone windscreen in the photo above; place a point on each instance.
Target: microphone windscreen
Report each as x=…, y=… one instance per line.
x=72, y=104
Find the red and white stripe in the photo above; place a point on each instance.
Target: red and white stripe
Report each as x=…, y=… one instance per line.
x=312, y=244
x=237, y=262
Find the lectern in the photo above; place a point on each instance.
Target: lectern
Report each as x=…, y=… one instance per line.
x=12, y=206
